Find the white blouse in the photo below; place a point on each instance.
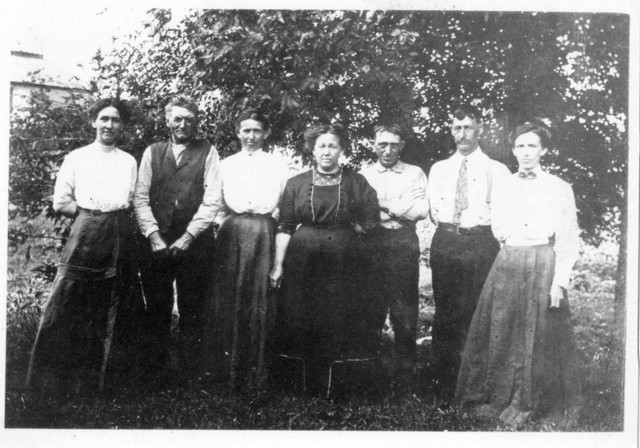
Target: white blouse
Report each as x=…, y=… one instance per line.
x=252, y=182
x=529, y=212
x=95, y=177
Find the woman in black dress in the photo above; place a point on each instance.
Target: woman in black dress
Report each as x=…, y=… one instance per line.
x=322, y=211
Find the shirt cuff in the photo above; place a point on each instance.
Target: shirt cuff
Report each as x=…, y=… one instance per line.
x=194, y=230
x=152, y=228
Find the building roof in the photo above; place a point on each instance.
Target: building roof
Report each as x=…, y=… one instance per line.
x=30, y=68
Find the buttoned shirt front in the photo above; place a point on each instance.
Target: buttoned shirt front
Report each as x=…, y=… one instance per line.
x=529, y=212
x=482, y=174
x=252, y=182
x=211, y=200
x=95, y=177
x=404, y=188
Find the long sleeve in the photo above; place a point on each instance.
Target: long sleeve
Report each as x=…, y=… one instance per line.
x=369, y=209
x=286, y=219
x=64, y=200
x=433, y=194
x=413, y=204
x=500, y=210
x=141, y=205
x=212, y=198
x=567, y=236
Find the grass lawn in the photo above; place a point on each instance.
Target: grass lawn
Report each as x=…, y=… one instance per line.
x=196, y=405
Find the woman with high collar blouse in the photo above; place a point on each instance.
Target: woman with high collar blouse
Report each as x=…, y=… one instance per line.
x=243, y=309
x=321, y=213
x=519, y=360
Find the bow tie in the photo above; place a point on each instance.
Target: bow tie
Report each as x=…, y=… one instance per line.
x=526, y=175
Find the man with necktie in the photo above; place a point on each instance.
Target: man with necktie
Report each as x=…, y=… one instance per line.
x=463, y=247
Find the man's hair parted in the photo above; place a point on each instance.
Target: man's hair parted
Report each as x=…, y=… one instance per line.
x=462, y=111
x=392, y=128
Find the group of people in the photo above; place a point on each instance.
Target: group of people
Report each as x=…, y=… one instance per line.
x=309, y=267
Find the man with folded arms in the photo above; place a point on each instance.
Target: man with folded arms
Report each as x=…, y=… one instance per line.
x=394, y=247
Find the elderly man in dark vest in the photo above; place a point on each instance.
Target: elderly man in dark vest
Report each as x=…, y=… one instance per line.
x=177, y=196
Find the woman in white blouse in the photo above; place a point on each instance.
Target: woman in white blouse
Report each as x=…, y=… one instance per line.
x=95, y=187
x=519, y=359
x=242, y=308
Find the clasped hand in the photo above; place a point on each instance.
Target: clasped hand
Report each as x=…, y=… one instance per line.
x=179, y=247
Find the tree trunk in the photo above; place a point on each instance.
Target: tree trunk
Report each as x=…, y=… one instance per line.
x=620, y=299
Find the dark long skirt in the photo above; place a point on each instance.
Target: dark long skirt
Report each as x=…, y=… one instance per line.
x=242, y=307
x=316, y=316
x=519, y=358
x=74, y=337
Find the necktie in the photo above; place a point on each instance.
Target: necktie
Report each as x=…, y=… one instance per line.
x=526, y=175
x=462, y=193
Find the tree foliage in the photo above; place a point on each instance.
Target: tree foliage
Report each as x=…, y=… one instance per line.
x=408, y=66
x=358, y=67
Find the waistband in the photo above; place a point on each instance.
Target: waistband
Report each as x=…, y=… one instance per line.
x=95, y=212
x=453, y=228
x=520, y=242
x=406, y=226
x=253, y=215
x=328, y=226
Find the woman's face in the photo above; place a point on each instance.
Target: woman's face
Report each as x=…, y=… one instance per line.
x=327, y=151
x=252, y=135
x=528, y=150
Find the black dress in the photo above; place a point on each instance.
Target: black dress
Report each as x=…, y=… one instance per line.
x=319, y=310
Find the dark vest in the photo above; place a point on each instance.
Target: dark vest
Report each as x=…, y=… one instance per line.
x=176, y=191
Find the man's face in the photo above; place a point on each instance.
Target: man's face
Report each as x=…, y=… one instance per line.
x=108, y=126
x=183, y=124
x=251, y=135
x=388, y=147
x=466, y=133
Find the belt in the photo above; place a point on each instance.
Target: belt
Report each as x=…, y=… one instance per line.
x=403, y=225
x=96, y=212
x=254, y=215
x=328, y=226
x=475, y=230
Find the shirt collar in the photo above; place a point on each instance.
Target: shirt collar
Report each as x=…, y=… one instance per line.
x=538, y=170
x=397, y=168
x=476, y=155
x=104, y=148
x=256, y=153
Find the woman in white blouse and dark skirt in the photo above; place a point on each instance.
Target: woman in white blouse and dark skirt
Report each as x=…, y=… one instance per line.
x=519, y=361
x=243, y=310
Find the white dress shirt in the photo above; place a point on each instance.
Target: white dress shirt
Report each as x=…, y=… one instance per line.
x=403, y=187
x=211, y=200
x=95, y=177
x=482, y=174
x=529, y=212
x=252, y=182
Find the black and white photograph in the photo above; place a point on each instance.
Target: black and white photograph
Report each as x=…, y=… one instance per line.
x=353, y=223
